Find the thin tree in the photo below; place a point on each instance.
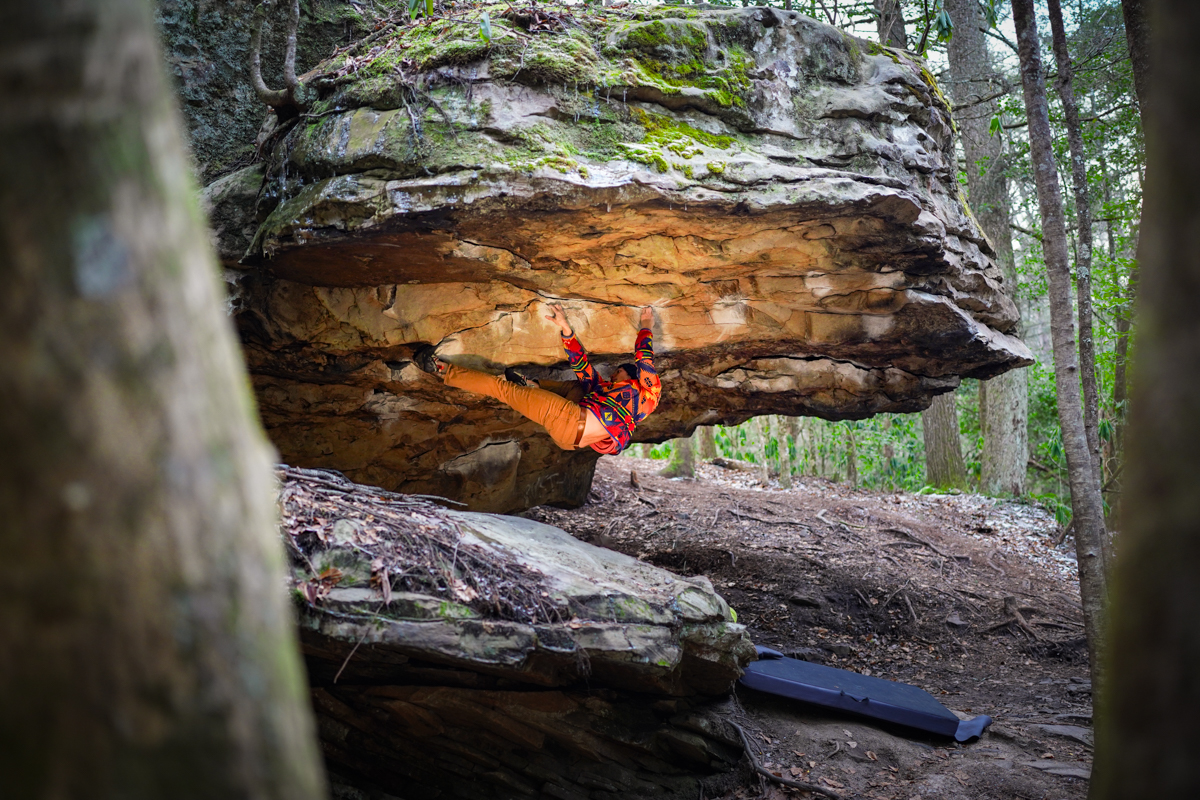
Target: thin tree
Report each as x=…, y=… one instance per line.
x=148, y=650
x=974, y=88
x=761, y=439
x=1147, y=738
x=1086, y=506
x=1083, y=218
x=944, y=466
x=851, y=455
x=889, y=21
x=707, y=442
x=289, y=101
x=783, y=429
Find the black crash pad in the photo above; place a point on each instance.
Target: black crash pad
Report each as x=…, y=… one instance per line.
x=901, y=703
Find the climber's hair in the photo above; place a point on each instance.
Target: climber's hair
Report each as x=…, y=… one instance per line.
x=632, y=370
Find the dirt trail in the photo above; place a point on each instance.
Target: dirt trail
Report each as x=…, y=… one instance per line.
x=961, y=595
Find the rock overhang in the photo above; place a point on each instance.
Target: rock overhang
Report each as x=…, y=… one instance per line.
x=785, y=195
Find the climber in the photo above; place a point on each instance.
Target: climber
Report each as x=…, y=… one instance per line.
x=594, y=412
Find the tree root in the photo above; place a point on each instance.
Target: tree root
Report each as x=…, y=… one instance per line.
x=771, y=776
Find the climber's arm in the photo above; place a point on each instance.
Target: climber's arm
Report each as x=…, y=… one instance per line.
x=577, y=357
x=643, y=351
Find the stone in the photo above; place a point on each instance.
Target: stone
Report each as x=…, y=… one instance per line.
x=618, y=687
x=784, y=194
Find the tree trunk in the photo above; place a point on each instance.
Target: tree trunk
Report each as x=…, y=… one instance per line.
x=1137, y=35
x=944, y=466
x=683, y=460
x=761, y=438
x=786, y=428
x=1086, y=506
x=1146, y=737
x=148, y=648
x=889, y=21
x=1083, y=215
x=1004, y=400
x=851, y=457
x=708, y=442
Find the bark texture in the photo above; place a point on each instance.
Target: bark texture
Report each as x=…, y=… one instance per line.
x=1083, y=219
x=1004, y=400
x=683, y=460
x=1137, y=35
x=708, y=442
x=783, y=428
x=146, y=648
x=1147, y=739
x=944, y=466
x=1087, y=509
x=890, y=23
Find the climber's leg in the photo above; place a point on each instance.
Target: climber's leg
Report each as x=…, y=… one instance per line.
x=559, y=416
x=571, y=390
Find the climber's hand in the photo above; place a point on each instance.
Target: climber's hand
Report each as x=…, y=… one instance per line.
x=559, y=318
x=647, y=317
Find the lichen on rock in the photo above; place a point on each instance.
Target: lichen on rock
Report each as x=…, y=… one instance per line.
x=785, y=195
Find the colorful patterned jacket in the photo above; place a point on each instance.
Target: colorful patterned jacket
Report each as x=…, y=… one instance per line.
x=618, y=406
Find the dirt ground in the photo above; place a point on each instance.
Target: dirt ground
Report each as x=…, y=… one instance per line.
x=962, y=595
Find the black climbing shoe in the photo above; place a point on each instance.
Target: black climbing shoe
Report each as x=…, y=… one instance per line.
x=426, y=360
x=512, y=376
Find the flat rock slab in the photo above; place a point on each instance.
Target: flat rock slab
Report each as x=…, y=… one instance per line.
x=404, y=582
x=475, y=655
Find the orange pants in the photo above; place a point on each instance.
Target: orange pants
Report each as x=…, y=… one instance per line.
x=548, y=407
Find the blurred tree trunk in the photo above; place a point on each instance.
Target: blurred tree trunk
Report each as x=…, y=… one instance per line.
x=148, y=649
x=1086, y=506
x=944, y=466
x=708, y=442
x=1146, y=734
x=760, y=438
x=683, y=460
x=1083, y=215
x=1003, y=400
x=889, y=21
x=785, y=427
x=851, y=456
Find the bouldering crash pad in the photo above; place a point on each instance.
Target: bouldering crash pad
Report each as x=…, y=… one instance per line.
x=901, y=703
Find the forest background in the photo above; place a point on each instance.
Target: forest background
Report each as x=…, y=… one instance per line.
x=904, y=451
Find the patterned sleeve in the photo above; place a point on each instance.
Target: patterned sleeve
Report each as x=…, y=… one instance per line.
x=578, y=359
x=643, y=351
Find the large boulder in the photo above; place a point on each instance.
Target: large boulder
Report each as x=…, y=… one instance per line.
x=784, y=194
x=476, y=655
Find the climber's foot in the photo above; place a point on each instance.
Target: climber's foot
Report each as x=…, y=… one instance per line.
x=512, y=376
x=425, y=357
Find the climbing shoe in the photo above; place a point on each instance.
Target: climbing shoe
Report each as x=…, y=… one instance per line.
x=512, y=376
x=425, y=357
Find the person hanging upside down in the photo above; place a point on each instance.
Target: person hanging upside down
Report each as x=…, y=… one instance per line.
x=589, y=412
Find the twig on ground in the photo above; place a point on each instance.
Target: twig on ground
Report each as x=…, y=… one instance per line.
x=907, y=602
x=927, y=543
x=744, y=515
x=771, y=776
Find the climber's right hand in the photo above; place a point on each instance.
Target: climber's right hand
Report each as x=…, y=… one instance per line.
x=559, y=318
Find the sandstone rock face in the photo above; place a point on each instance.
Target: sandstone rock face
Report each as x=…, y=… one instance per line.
x=782, y=193
x=475, y=655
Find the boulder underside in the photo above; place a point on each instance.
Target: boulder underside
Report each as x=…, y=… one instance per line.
x=783, y=194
